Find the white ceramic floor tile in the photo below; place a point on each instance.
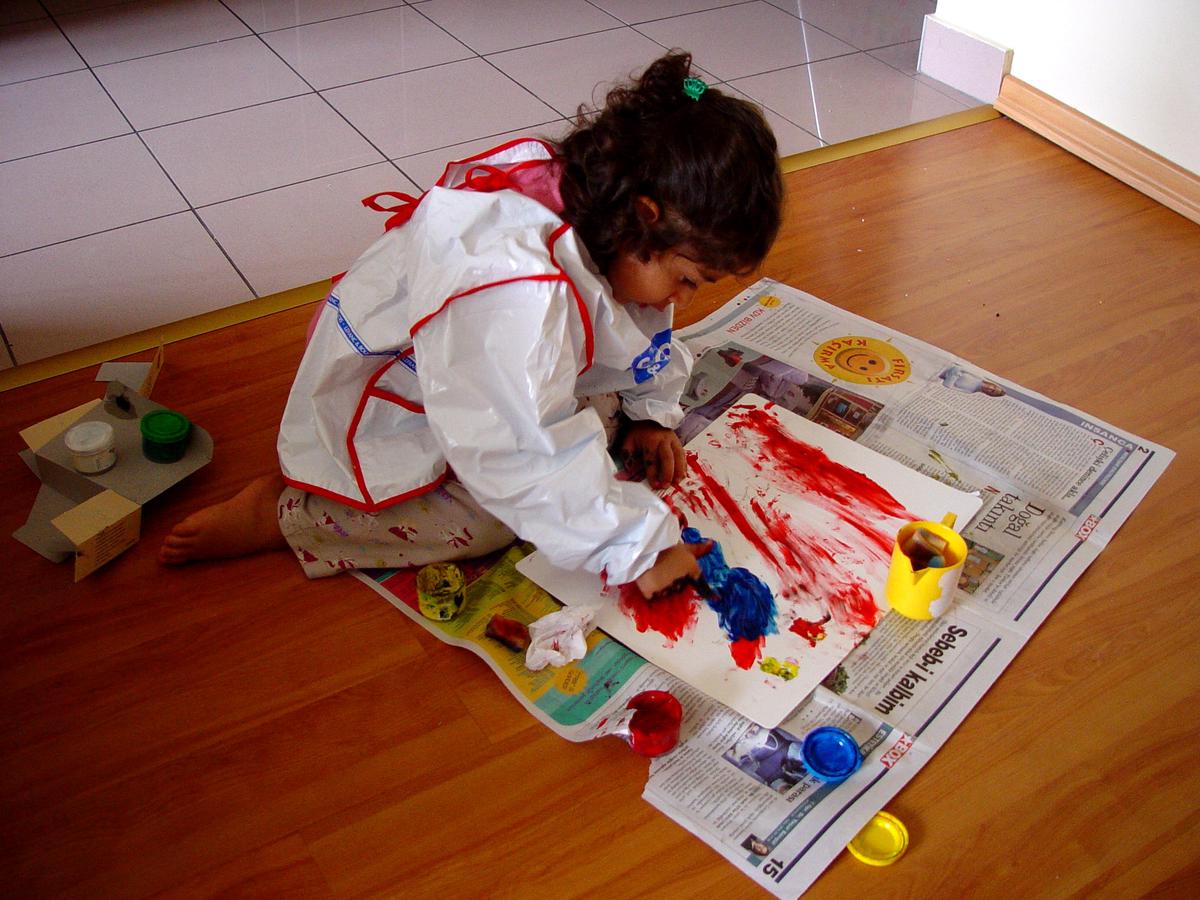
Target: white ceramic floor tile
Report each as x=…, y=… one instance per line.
x=33, y=50
x=266, y=146
x=578, y=70
x=20, y=11
x=634, y=11
x=296, y=235
x=371, y=45
x=106, y=285
x=130, y=30
x=902, y=57
x=269, y=15
x=789, y=137
x=426, y=168
x=848, y=97
x=174, y=87
x=229, y=119
x=62, y=195
x=736, y=41
x=438, y=107
x=505, y=24
x=82, y=113
x=867, y=24
x=954, y=94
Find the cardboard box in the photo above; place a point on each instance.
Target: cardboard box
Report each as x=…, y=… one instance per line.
x=95, y=518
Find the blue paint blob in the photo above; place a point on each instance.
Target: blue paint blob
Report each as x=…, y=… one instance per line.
x=744, y=606
x=743, y=603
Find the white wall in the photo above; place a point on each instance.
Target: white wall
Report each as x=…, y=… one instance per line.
x=1132, y=65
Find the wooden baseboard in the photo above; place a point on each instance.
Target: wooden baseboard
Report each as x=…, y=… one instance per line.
x=1144, y=170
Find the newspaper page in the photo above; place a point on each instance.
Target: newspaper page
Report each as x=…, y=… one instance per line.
x=576, y=700
x=1056, y=483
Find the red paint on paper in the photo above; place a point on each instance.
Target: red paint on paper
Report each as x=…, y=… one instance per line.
x=818, y=564
x=810, y=631
x=854, y=497
x=672, y=614
x=714, y=498
x=747, y=651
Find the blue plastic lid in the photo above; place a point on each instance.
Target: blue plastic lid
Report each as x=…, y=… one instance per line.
x=831, y=754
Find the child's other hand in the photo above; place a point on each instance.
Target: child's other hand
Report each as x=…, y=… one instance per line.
x=672, y=564
x=654, y=452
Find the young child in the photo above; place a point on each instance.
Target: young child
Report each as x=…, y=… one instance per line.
x=466, y=377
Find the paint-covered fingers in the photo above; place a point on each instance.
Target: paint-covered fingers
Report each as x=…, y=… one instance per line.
x=675, y=564
x=673, y=469
x=653, y=452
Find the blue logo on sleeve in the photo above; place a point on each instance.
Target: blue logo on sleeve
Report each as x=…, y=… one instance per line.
x=654, y=358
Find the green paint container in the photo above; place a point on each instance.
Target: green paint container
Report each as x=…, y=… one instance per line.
x=165, y=435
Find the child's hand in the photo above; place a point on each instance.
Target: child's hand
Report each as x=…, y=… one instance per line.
x=672, y=564
x=652, y=451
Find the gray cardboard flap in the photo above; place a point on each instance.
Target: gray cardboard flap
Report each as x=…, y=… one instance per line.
x=38, y=534
x=133, y=477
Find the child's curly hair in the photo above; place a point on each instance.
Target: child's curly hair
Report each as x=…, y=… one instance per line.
x=711, y=165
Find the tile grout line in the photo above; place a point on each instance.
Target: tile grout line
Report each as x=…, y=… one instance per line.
x=337, y=112
x=157, y=161
x=7, y=346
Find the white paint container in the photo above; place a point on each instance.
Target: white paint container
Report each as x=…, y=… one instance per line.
x=91, y=446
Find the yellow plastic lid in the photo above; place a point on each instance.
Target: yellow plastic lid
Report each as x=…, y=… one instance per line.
x=881, y=842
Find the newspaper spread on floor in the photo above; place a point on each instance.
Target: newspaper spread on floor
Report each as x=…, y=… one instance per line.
x=1056, y=483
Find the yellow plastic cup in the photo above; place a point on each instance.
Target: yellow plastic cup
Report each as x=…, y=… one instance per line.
x=925, y=592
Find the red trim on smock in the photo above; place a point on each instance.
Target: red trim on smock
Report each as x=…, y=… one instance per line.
x=491, y=179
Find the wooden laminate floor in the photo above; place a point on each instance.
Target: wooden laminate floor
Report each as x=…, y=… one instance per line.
x=233, y=728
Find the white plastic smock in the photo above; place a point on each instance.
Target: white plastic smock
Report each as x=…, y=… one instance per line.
x=463, y=338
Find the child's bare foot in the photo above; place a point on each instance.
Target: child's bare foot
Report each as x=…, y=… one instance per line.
x=244, y=524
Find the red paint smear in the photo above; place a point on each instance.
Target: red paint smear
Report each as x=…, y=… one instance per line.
x=856, y=499
x=713, y=495
x=798, y=562
x=810, y=631
x=811, y=564
x=857, y=603
x=816, y=573
x=671, y=615
x=747, y=651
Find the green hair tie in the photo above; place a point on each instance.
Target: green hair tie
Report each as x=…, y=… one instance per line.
x=694, y=88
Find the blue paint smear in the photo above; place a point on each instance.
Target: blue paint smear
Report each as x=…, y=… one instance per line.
x=744, y=605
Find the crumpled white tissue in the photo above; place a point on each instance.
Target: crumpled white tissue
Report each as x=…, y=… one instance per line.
x=559, y=638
